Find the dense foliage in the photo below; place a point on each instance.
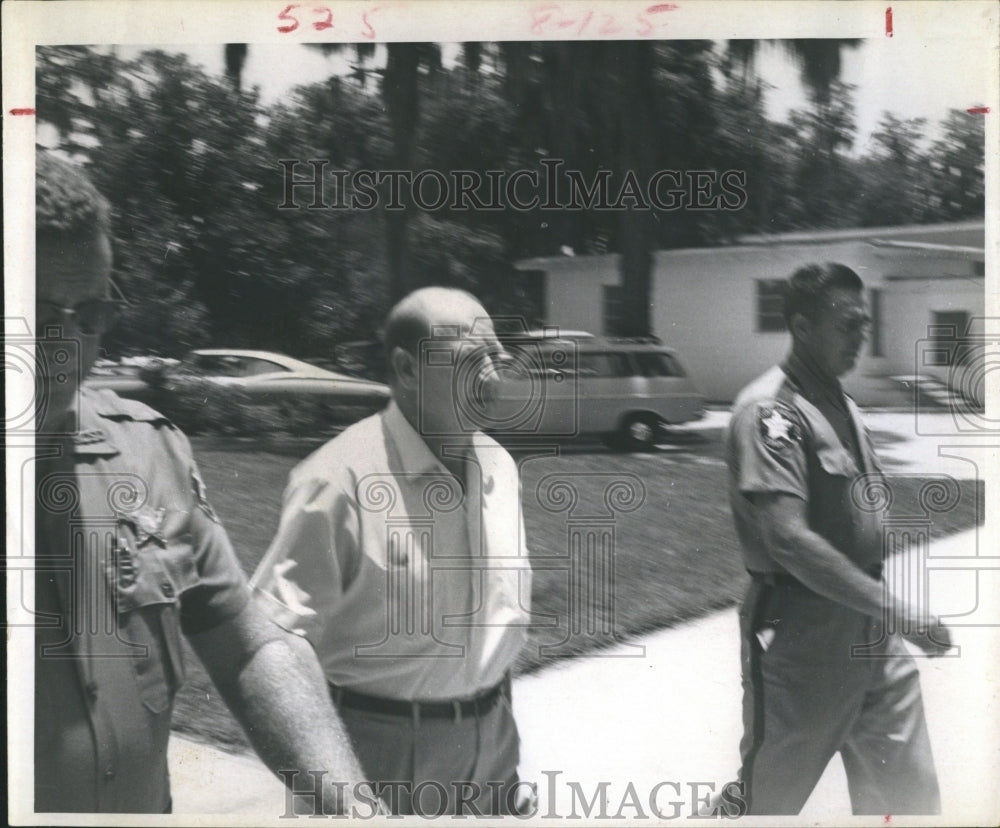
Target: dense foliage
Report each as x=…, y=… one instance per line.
x=191, y=166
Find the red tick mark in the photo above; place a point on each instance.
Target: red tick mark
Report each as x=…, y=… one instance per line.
x=887, y=819
x=22, y=111
x=978, y=110
x=888, y=22
x=661, y=7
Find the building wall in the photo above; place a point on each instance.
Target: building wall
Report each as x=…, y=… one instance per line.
x=704, y=304
x=913, y=303
x=573, y=293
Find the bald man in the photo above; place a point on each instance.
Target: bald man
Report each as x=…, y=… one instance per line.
x=401, y=557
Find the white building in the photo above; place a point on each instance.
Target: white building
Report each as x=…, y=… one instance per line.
x=721, y=307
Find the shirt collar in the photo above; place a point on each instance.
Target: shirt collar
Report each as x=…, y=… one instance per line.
x=413, y=451
x=814, y=383
x=82, y=430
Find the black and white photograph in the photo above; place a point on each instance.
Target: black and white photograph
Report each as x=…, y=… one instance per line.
x=528, y=412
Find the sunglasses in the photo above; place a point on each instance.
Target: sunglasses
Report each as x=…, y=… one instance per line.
x=90, y=317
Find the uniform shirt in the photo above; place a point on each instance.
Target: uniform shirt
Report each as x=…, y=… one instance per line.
x=794, y=433
x=129, y=555
x=409, y=583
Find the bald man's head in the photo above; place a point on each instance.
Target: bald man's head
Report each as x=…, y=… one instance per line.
x=442, y=352
x=429, y=311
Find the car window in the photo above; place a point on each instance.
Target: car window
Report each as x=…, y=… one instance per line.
x=253, y=367
x=603, y=365
x=218, y=366
x=521, y=360
x=658, y=365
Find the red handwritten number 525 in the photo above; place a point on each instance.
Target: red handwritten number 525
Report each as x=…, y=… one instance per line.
x=324, y=19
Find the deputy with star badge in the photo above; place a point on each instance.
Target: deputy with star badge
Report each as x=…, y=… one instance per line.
x=129, y=555
x=820, y=674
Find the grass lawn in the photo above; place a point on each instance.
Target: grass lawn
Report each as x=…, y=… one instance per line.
x=675, y=556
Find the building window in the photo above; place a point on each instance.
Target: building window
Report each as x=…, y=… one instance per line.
x=614, y=311
x=947, y=335
x=770, y=305
x=876, y=314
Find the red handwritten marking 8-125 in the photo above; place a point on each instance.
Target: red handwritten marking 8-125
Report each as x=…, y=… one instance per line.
x=553, y=19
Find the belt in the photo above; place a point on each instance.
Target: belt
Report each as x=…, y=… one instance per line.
x=775, y=579
x=456, y=709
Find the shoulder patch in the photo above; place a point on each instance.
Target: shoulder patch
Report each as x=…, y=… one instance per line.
x=201, y=493
x=777, y=426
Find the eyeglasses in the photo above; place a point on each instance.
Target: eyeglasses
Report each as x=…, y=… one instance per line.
x=90, y=317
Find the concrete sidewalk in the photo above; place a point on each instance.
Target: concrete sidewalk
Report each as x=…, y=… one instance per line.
x=672, y=715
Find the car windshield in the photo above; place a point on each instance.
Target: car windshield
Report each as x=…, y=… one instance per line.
x=603, y=365
x=227, y=365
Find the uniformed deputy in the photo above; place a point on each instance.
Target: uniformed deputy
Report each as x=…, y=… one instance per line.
x=795, y=447
x=130, y=555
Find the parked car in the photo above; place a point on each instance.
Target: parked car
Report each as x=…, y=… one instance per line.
x=254, y=378
x=627, y=390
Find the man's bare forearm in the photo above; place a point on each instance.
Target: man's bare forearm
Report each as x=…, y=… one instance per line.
x=274, y=686
x=811, y=559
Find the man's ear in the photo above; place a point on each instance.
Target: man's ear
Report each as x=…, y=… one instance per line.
x=800, y=327
x=404, y=366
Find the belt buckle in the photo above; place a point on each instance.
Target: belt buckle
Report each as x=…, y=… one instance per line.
x=456, y=707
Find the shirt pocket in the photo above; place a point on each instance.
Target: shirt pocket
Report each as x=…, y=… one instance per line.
x=836, y=461
x=149, y=576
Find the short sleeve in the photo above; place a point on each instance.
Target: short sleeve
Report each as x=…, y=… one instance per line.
x=220, y=590
x=767, y=451
x=308, y=566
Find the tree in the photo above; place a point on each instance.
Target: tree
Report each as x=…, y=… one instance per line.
x=400, y=92
x=957, y=163
x=824, y=181
x=822, y=185
x=195, y=222
x=894, y=186
x=623, y=108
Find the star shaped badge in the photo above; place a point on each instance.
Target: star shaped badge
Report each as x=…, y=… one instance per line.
x=778, y=429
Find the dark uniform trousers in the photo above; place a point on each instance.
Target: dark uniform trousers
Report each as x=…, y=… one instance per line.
x=807, y=695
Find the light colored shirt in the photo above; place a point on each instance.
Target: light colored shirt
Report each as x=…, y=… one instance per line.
x=792, y=433
x=408, y=582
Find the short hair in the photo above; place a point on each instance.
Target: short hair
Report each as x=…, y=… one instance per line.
x=808, y=286
x=66, y=202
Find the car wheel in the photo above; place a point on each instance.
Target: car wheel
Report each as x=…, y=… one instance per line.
x=639, y=432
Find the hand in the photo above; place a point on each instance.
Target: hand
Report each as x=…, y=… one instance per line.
x=934, y=640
